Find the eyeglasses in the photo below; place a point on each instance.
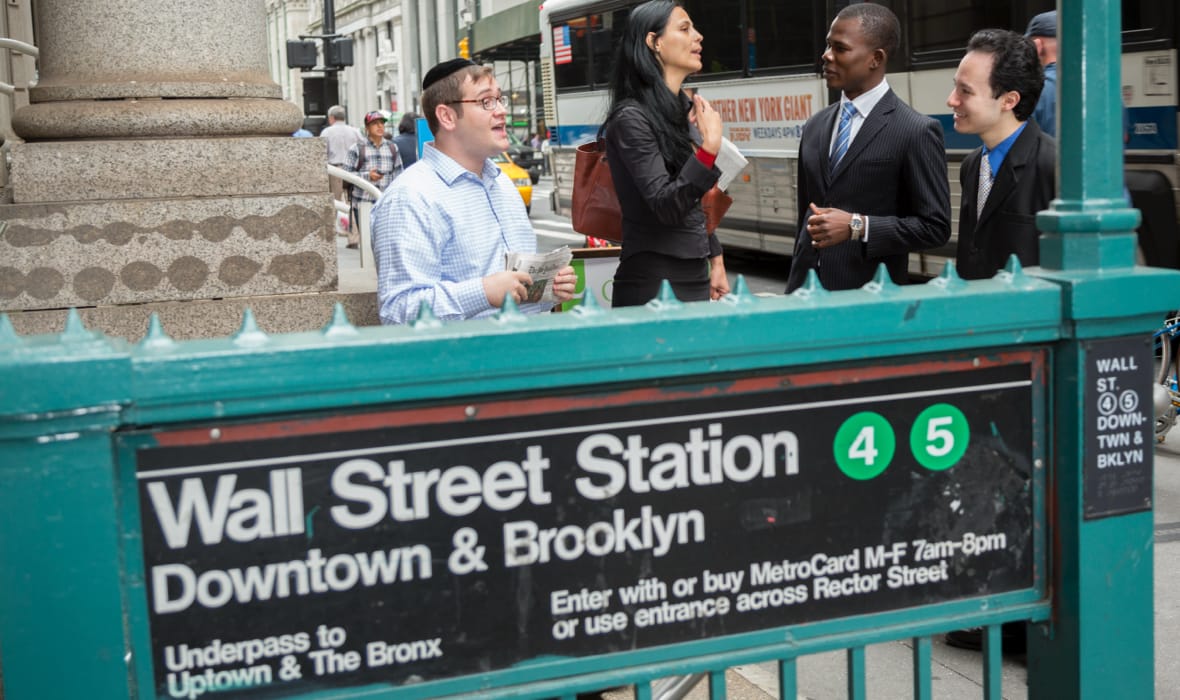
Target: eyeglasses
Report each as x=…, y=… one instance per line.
x=488, y=103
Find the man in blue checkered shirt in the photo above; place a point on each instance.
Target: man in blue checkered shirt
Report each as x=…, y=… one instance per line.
x=441, y=231
x=377, y=161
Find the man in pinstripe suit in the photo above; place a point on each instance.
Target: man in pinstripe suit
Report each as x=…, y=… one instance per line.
x=872, y=183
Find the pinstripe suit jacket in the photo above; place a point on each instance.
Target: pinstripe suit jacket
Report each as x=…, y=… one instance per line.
x=894, y=173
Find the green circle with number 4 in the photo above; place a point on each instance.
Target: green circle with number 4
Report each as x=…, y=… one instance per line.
x=864, y=445
x=939, y=436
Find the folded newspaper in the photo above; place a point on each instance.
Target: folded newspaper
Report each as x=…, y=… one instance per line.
x=542, y=268
x=730, y=162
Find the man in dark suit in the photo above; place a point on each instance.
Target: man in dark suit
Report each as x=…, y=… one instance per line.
x=872, y=172
x=1012, y=176
x=1005, y=183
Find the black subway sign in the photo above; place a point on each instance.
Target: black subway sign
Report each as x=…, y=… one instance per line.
x=1118, y=427
x=425, y=543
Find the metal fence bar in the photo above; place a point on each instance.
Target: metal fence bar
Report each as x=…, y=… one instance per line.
x=923, y=681
x=857, y=686
x=993, y=662
x=787, y=679
x=717, y=685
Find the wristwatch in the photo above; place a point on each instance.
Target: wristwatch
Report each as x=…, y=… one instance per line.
x=858, y=227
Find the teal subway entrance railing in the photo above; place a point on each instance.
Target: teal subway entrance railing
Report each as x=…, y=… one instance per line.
x=507, y=508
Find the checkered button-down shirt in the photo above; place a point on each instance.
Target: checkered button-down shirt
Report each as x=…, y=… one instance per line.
x=364, y=157
x=438, y=231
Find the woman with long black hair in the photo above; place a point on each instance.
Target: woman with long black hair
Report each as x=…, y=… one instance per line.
x=661, y=146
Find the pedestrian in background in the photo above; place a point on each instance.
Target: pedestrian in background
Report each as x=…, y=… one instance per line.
x=407, y=139
x=340, y=137
x=1012, y=176
x=441, y=231
x=661, y=147
x=872, y=182
x=1042, y=29
x=377, y=161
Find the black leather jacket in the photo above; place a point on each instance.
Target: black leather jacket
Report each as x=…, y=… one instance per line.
x=661, y=210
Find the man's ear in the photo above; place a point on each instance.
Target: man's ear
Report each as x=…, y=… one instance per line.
x=1009, y=100
x=446, y=116
x=879, y=57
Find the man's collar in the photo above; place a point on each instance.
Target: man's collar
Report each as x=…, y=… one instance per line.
x=449, y=169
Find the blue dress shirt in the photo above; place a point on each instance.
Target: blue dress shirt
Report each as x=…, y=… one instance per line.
x=438, y=231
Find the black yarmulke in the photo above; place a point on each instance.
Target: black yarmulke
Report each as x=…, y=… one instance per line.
x=444, y=69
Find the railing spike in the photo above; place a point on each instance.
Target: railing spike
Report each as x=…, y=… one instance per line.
x=156, y=338
x=250, y=333
x=1013, y=272
x=425, y=317
x=589, y=305
x=1014, y=267
x=881, y=282
x=8, y=334
x=740, y=293
x=75, y=330
x=949, y=279
x=339, y=325
x=812, y=289
x=510, y=312
x=665, y=299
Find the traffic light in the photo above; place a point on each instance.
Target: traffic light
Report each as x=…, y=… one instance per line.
x=339, y=53
x=464, y=51
x=301, y=54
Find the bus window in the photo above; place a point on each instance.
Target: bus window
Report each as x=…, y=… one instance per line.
x=784, y=35
x=720, y=22
x=586, y=61
x=939, y=29
x=571, y=60
x=1148, y=22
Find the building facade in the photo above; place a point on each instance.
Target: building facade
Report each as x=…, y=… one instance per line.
x=394, y=43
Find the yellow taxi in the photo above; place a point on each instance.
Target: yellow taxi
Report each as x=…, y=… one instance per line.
x=519, y=177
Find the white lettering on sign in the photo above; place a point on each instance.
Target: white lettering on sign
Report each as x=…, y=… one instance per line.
x=241, y=515
x=176, y=587
x=631, y=464
x=1119, y=420
x=460, y=490
x=525, y=543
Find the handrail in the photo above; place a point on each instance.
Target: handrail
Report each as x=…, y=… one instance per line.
x=20, y=47
x=354, y=179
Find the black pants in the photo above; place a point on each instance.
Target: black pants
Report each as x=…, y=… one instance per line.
x=637, y=280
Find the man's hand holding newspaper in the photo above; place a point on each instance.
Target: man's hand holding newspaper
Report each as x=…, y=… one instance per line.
x=553, y=278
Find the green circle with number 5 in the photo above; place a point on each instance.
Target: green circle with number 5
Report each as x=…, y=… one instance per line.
x=939, y=436
x=864, y=445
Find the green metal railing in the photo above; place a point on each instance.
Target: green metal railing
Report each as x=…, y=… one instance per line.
x=87, y=416
x=539, y=506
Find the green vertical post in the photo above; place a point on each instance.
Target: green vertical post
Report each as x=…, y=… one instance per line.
x=62, y=612
x=1099, y=643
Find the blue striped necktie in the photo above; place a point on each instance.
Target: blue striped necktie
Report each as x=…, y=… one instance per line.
x=843, y=134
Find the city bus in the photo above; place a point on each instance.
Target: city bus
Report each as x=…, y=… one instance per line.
x=761, y=72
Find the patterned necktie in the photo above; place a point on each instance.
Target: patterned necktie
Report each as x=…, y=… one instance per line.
x=843, y=134
x=985, y=183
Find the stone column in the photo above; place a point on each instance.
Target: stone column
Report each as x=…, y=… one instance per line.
x=160, y=166
x=136, y=69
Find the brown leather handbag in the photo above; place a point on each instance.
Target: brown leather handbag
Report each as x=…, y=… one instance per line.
x=595, y=210
x=715, y=203
x=595, y=207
